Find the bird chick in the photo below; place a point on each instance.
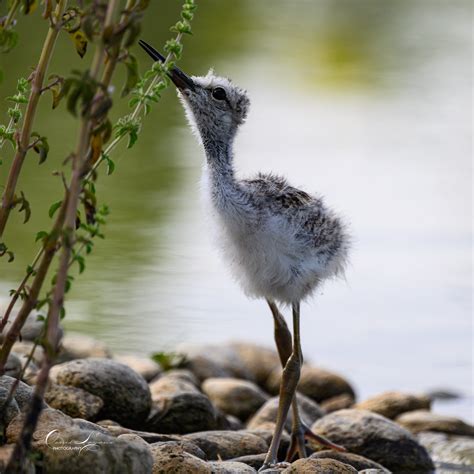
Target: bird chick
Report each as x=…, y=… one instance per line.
x=280, y=241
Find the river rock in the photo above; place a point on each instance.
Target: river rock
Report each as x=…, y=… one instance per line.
x=234, y=423
x=188, y=446
x=253, y=460
x=116, y=430
x=315, y=382
x=171, y=384
x=13, y=365
x=74, y=401
x=125, y=393
x=23, y=392
x=375, y=437
x=354, y=460
x=267, y=436
x=230, y=467
x=102, y=453
x=179, y=407
x=276, y=469
x=423, y=420
x=31, y=370
x=183, y=374
x=175, y=460
x=337, y=402
x=309, y=413
x=25, y=348
x=222, y=423
x=79, y=346
x=144, y=366
x=228, y=444
x=7, y=413
x=454, y=452
x=237, y=397
x=212, y=360
x=260, y=361
x=49, y=420
x=31, y=329
x=319, y=466
x=392, y=404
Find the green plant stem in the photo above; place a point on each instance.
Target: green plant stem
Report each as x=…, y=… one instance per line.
x=24, y=138
x=136, y=112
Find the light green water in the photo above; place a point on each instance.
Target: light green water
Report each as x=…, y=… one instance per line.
x=366, y=102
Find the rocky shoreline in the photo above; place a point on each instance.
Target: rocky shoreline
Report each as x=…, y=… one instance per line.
x=215, y=414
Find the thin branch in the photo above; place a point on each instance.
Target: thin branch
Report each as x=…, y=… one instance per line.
x=24, y=139
x=11, y=14
x=31, y=270
x=48, y=253
x=52, y=323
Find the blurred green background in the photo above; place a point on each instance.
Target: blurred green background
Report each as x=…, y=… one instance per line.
x=366, y=102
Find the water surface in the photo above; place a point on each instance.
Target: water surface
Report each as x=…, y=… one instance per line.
x=363, y=102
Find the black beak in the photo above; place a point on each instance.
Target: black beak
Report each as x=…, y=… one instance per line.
x=179, y=78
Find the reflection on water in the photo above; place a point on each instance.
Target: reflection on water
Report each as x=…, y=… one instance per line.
x=364, y=102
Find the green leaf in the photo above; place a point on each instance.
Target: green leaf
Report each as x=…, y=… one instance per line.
x=54, y=207
x=29, y=6
x=169, y=360
x=72, y=100
x=132, y=33
x=15, y=114
x=23, y=85
x=187, y=15
x=81, y=262
x=41, y=235
x=132, y=138
x=7, y=135
x=58, y=90
x=18, y=98
x=128, y=125
x=174, y=47
x=80, y=42
x=24, y=206
x=41, y=147
x=8, y=40
x=110, y=165
x=182, y=27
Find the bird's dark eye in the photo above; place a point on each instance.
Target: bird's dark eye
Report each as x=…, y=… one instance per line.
x=219, y=93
